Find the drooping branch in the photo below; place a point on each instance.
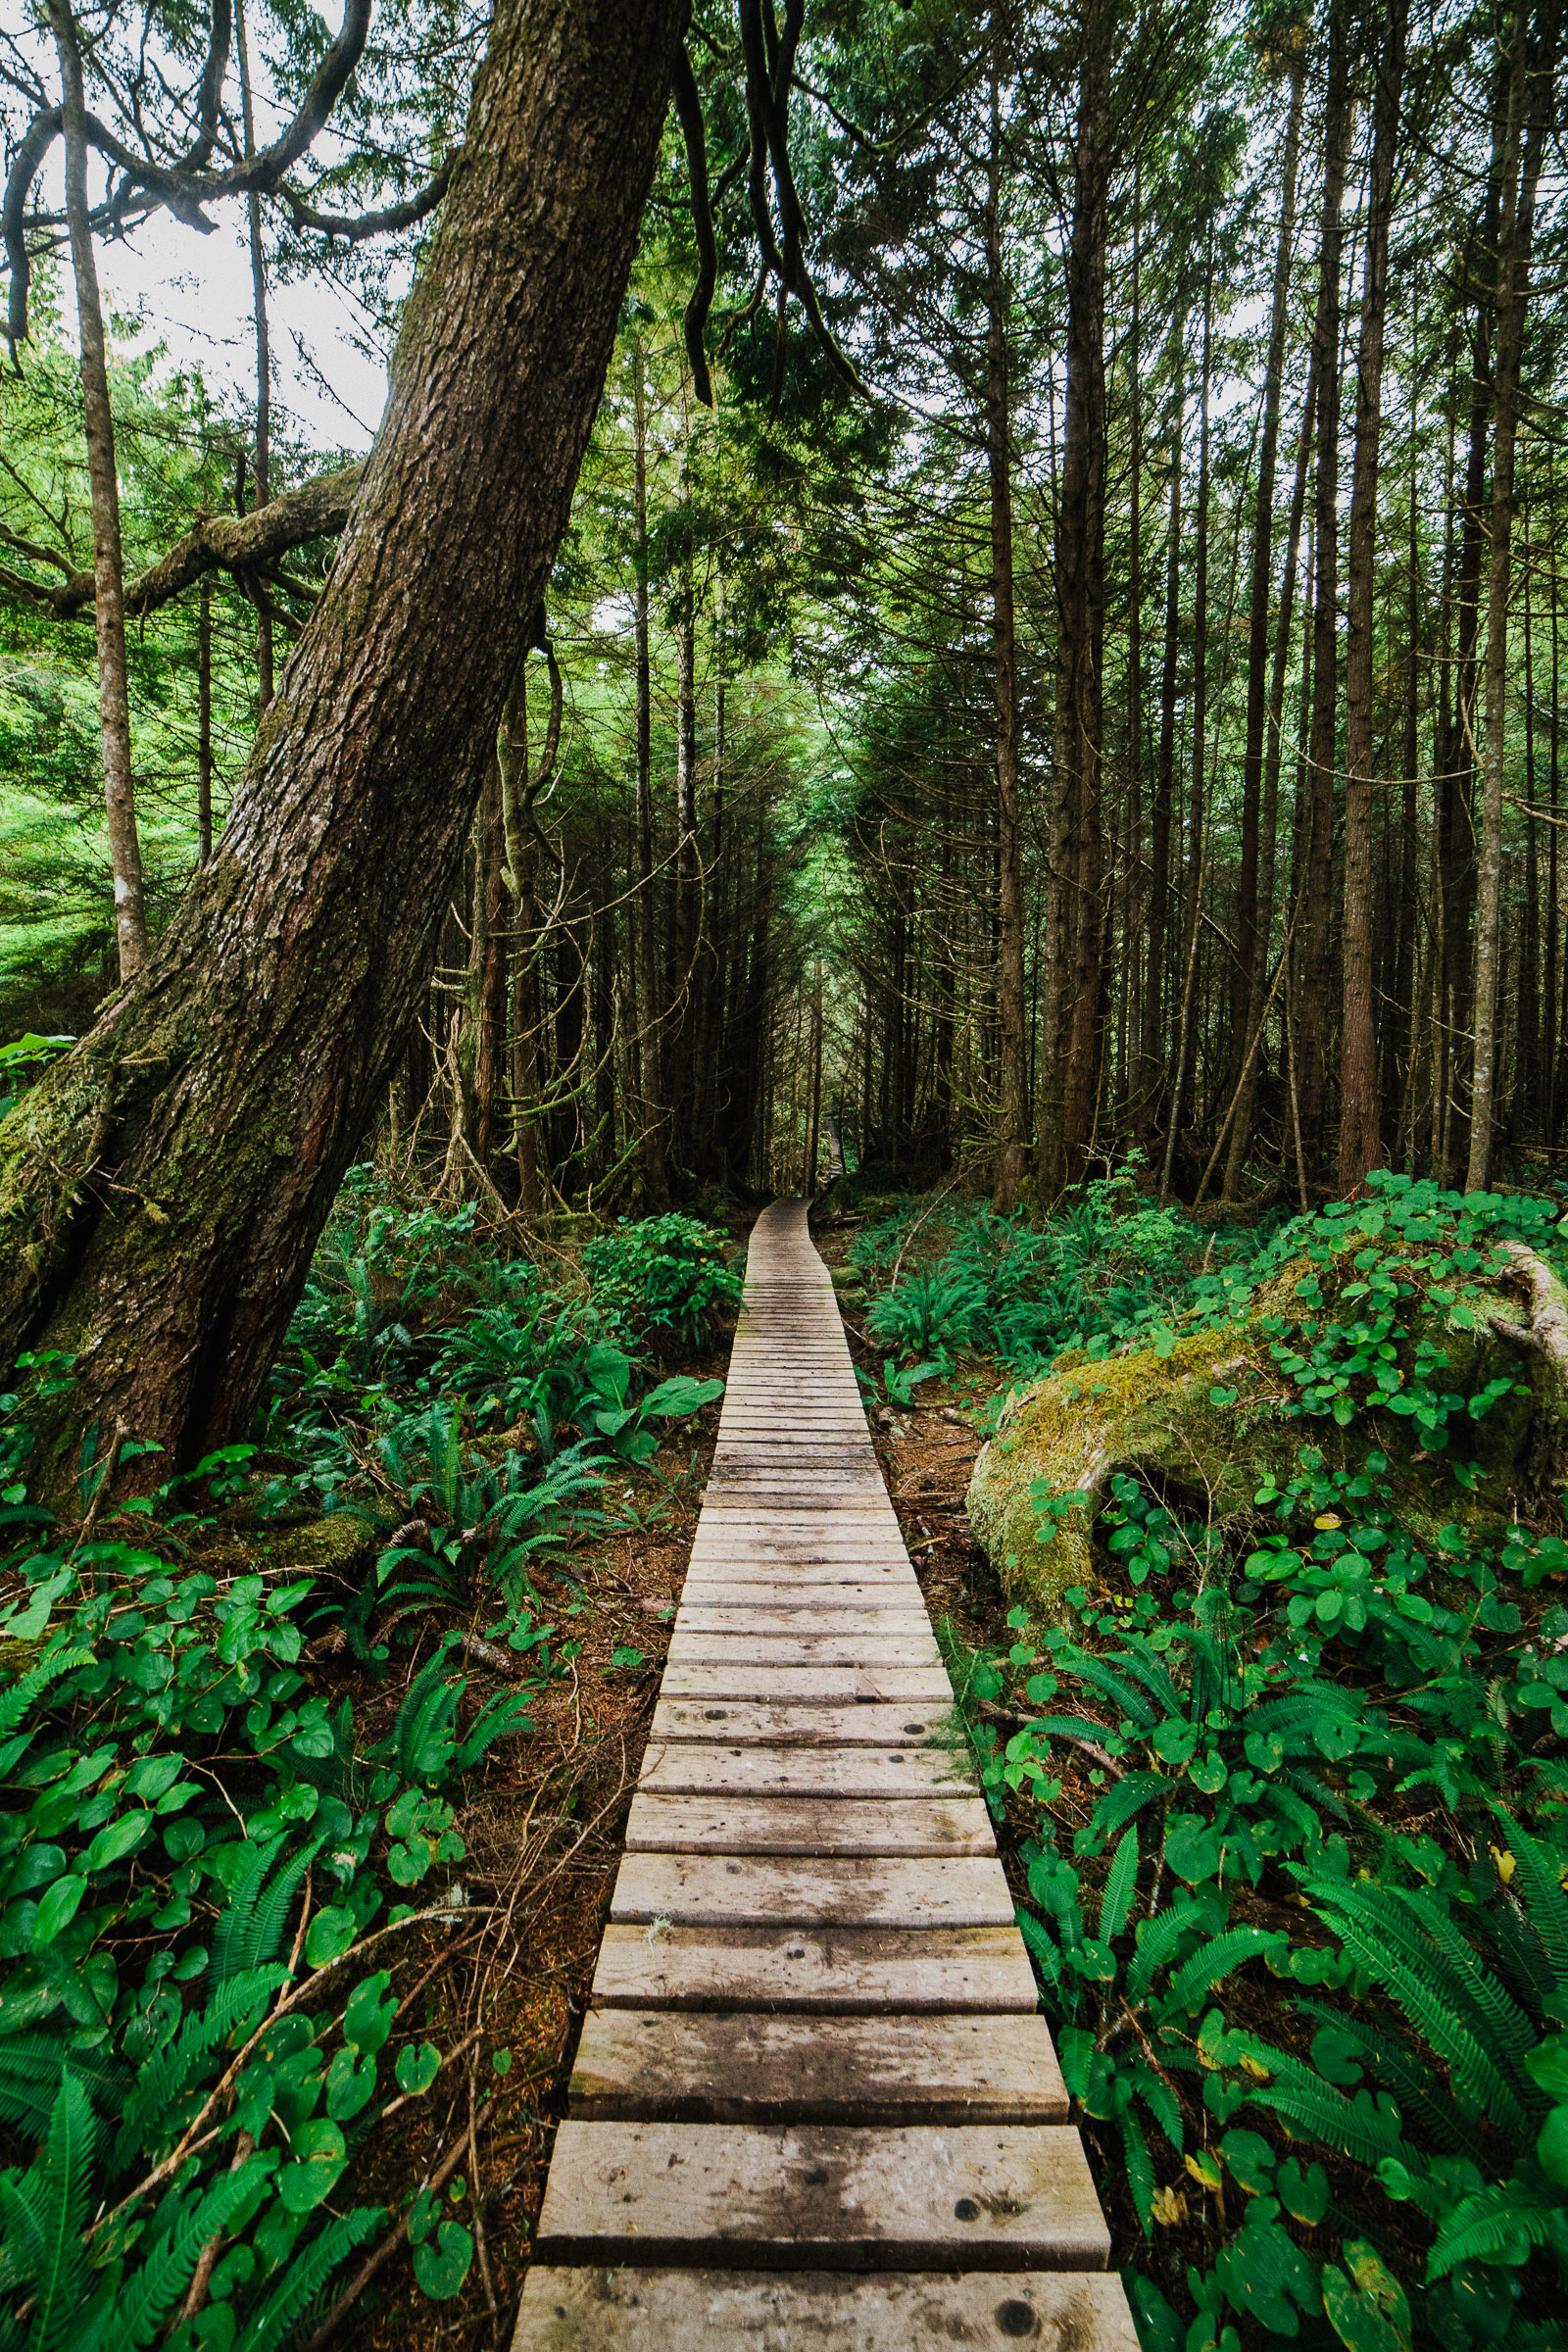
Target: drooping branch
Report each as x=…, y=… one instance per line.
x=252, y=543
x=182, y=188
x=689, y=107
x=353, y=227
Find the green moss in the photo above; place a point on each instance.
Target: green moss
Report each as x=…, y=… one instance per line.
x=1157, y=1417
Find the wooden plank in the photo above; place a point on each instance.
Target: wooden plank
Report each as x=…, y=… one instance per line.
x=873, y=1724
x=641, y=2064
x=816, y=1971
x=764, y=1824
x=876, y=1652
x=976, y=2196
x=709, y=1890
x=909, y=1623
x=890, y=1595
x=643, y=2310
x=688, y=1768
x=810, y=1685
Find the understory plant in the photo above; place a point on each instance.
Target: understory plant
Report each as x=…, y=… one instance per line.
x=1290, y=1814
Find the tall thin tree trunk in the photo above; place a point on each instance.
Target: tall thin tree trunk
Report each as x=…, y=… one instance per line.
x=1070, y=1024
x=1254, y=912
x=1311, y=1037
x=1513, y=276
x=1192, y=911
x=1153, y=1067
x=1014, y=1106
x=1360, y=1111
x=262, y=461
x=108, y=567
x=650, y=1012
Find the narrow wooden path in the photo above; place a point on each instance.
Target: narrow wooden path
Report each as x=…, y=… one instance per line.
x=813, y=2105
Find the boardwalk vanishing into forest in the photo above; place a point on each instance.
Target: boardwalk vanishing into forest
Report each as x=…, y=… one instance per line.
x=814, y=2102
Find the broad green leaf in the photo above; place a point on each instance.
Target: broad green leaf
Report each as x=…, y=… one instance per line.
x=368, y=2018
x=319, y=2155
x=58, y=1908
x=329, y=1935
x=416, y=2069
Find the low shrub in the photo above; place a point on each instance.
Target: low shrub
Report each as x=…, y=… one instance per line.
x=663, y=1275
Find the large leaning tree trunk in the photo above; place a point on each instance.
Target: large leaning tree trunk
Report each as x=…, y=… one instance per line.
x=162, y=1190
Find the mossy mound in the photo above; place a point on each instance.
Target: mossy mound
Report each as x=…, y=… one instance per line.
x=339, y=1544
x=1206, y=1423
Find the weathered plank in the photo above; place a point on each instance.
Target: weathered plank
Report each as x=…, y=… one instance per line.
x=637, y=2065
x=877, y=1652
x=879, y=1590
x=994, y=2197
x=642, y=2310
x=691, y=1769
x=737, y=1892
x=819, y=1971
x=908, y=1623
x=766, y=1824
x=875, y=1724
x=810, y=1685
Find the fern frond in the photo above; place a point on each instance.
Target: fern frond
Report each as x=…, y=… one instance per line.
x=1101, y=1676
x=305, y=2274
x=1379, y=1924
x=163, y=2079
x=1130, y=1795
x=145, y=2301
x=1158, y=1938
x=1121, y=1885
x=1492, y=2219
x=66, y=2168
x=1154, y=1672
x=15, y=1703
x=1541, y=1896
x=1417, y=2087
x=1213, y=1962
x=1139, y=2170
x=251, y=1925
x=1159, y=2097
x=30, y=2068
x=1314, y=2109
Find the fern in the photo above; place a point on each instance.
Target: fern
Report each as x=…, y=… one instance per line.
x=505, y=1718
x=145, y=2301
x=307, y=2273
x=1357, y=2127
x=46, y=2212
x=1216, y=1961
x=251, y=1925
x=30, y=2068
x=17, y=1703
x=1140, y=2169
x=1490, y=2222
x=162, y=2081
x=1159, y=1937
x=1121, y=1885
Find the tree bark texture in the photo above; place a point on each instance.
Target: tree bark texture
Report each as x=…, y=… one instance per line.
x=1069, y=1027
x=1013, y=1071
x=1360, y=1111
x=1312, y=1034
x=162, y=1190
x=1513, y=269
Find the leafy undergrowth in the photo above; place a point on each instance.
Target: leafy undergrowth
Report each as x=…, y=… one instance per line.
x=314, y=1764
x=1286, y=1814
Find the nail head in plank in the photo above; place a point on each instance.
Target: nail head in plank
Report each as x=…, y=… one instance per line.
x=646, y=2065
x=995, y=2197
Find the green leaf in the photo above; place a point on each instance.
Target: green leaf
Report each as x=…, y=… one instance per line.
x=117, y=1839
x=1192, y=1849
x=1551, y=2148
x=441, y=2260
x=320, y=2154
x=329, y=1935
x=350, y=2085
x=368, y=2018
x=1368, y=2310
x=58, y=1908
x=416, y=2069
x=1303, y=2195
x=627, y=1657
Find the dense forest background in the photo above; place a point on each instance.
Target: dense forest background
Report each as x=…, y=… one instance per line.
x=1099, y=684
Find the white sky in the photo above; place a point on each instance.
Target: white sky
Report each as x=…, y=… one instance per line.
x=195, y=294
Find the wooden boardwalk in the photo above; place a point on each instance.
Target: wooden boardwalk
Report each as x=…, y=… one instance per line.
x=814, y=2103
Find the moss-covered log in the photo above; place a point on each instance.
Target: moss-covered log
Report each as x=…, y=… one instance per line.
x=162, y=1190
